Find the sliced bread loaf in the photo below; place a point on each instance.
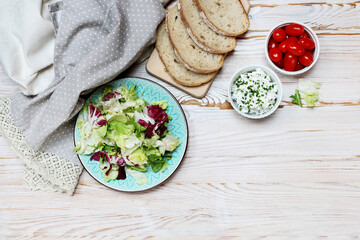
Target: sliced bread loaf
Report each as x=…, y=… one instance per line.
x=176, y=69
x=201, y=33
x=226, y=17
x=193, y=57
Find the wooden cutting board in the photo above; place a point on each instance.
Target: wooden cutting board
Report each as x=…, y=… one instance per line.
x=156, y=68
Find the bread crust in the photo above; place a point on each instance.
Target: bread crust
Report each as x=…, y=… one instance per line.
x=187, y=65
x=215, y=28
x=198, y=41
x=211, y=76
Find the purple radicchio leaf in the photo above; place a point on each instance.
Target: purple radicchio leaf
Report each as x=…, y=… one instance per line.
x=96, y=118
x=111, y=95
x=121, y=174
x=97, y=156
x=108, y=171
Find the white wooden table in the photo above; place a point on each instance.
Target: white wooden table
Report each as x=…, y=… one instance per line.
x=295, y=175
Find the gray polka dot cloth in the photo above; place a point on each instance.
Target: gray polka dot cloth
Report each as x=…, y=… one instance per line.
x=95, y=42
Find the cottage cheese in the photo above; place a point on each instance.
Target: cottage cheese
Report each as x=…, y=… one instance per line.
x=254, y=92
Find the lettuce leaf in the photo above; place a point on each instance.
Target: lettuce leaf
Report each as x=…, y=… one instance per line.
x=129, y=94
x=311, y=100
x=111, y=150
x=171, y=142
x=153, y=151
x=90, y=143
x=139, y=177
x=150, y=142
x=139, y=105
x=138, y=128
x=127, y=151
x=139, y=169
x=310, y=89
x=110, y=172
x=157, y=163
x=163, y=104
x=120, y=128
x=83, y=116
x=119, y=117
x=138, y=157
x=132, y=141
x=165, y=166
x=82, y=148
x=112, y=175
x=100, y=132
x=107, y=90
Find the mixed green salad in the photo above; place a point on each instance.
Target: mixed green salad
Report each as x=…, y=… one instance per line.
x=126, y=134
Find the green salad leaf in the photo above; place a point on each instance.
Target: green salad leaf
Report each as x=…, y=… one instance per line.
x=138, y=128
x=107, y=90
x=121, y=128
x=311, y=100
x=139, y=169
x=139, y=177
x=119, y=117
x=171, y=142
x=296, y=98
x=310, y=89
x=129, y=94
x=138, y=157
x=157, y=163
x=163, y=104
x=87, y=145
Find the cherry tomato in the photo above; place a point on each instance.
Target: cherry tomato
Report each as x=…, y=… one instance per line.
x=304, y=35
x=290, y=62
x=279, y=35
x=275, y=54
x=298, y=67
x=306, y=43
x=295, y=49
x=294, y=29
x=306, y=59
x=282, y=45
x=280, y=64
x=272, y=44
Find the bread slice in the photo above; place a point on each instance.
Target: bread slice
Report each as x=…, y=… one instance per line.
x=226, y=17
x=201, y=33
x=174, y=66
x=193, y=57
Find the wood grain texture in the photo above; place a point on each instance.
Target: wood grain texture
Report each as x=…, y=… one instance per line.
x=295, y=175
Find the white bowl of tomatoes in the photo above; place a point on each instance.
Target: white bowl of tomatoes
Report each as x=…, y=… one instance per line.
x=292, y=48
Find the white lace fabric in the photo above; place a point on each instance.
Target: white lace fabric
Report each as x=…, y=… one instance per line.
x=43, y=170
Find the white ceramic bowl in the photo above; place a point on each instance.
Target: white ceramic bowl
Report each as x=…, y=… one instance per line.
x=273, y=76
x=312, y=35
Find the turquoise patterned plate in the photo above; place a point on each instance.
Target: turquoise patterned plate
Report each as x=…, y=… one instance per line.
x=150, y=92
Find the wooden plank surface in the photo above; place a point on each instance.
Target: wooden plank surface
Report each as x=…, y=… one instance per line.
x=295, y=175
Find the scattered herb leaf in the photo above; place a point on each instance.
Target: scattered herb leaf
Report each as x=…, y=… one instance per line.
x=296, y=98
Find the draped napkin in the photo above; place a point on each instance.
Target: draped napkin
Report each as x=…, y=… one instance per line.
x=95, y=42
